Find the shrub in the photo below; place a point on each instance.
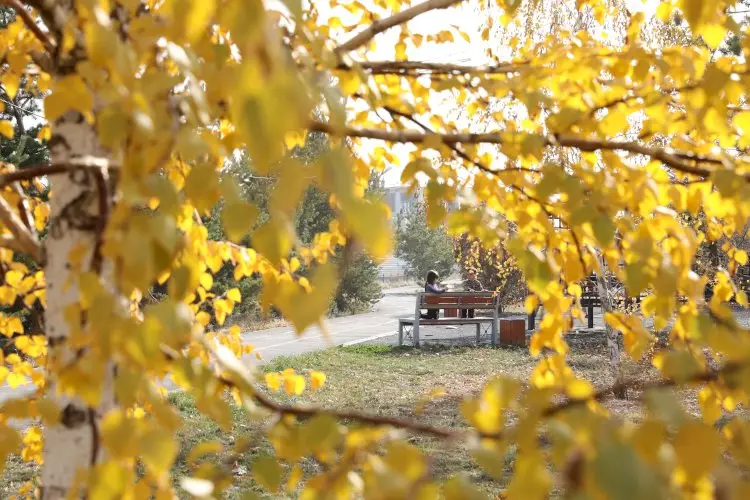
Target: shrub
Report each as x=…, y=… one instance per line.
x=495, y=268
x=421, y=247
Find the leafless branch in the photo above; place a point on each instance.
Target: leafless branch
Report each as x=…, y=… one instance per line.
x=397, y=19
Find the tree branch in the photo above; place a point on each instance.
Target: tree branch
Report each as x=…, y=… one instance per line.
x=11, y=243
x=26, y=242
x=361, y=417
x=34, y=171
x=666, y=156
x=24, y=14
x=418, y=68
x=382, y=25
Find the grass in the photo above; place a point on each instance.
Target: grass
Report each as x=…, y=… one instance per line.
x=389, y=381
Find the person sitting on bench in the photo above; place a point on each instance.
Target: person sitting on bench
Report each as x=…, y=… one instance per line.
x=471, y=284
x=431, y=286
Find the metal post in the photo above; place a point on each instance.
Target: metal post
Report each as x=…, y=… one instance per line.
x=400, y=333
x=590, y=315
x=479, y=331
x=417, y=313
x=532, y=321
x=495, y=319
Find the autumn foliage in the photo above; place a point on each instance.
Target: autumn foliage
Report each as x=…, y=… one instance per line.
x=494, y=267
x=617, y=122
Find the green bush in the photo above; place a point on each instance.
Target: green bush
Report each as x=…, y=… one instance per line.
x=359, y=287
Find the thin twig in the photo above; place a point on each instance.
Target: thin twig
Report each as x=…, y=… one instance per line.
x=382, y=25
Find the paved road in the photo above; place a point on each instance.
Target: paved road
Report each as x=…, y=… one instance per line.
x=382, y=321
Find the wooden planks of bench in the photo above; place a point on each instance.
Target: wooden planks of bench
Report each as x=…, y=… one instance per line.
x=447, y=321
x=444, y=321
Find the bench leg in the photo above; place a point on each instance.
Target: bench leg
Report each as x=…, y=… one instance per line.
x=400, y=334
x=479, y=331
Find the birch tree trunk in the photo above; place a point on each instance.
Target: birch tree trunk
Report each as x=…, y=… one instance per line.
x=79, y=205
x=613, y=344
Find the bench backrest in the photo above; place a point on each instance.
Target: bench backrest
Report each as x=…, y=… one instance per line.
x=477, y=300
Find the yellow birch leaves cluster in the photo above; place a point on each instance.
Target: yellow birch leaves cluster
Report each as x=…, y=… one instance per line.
x=593, y=152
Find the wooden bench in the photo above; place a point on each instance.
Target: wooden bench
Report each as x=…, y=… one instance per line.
x=452, y=303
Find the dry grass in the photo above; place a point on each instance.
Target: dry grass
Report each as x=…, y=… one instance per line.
x=391, y=381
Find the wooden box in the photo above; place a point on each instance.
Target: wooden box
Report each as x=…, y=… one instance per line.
x=512, y=331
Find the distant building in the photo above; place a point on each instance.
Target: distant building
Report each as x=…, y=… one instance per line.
x=398, y=199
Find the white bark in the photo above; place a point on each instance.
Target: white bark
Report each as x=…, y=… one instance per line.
x=74, y=220
x=613, y=344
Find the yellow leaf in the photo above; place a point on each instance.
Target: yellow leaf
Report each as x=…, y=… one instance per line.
x=6, y=128
x=742, y=122
x=69, y=94
x=194, y=16
x=272, y=241
x=41, y=214
x=741, y=257
x=44, y=134
x=203, y=318
x=579, y=389
x=202, y=186
x=697, y=448
x=294, y=385
x=207, y=281
x=406, y=459
x=234, y=295
x=317, y=380
x=273, y=381
x=349, y=82
x=238, y=218
x=742, y=298
x=267, y=472
x=531, y=303
x=202, y=449
x=158, y=450
x=15, y=380
x=294, y=477
x=370, y=224
x=713, y=35
x=10, y=442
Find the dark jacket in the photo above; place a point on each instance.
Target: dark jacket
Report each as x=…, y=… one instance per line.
x=473, y=285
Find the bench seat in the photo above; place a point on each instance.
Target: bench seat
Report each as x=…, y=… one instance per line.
x=443, y=322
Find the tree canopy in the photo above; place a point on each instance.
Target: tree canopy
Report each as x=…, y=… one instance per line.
x=595, y=139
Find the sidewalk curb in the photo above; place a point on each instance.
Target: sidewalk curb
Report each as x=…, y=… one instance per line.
x=368, y=339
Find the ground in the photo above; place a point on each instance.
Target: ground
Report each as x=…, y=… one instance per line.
x=389, y=380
